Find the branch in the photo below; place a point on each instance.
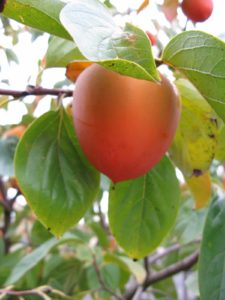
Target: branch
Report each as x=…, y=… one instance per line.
x=178, y=267
x=175, y=247
x=182, y=265
x=7, y=205
x=39, y=291
x=36, y=91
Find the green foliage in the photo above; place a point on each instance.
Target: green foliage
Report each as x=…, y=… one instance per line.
x=212, y=255
x=107, y=254
x=61, y=52
x=201, y=58
x=31, y=260
x=127, y=51
x=53, y=174
x=7, y=150
x=42, y=14
x=144, y=207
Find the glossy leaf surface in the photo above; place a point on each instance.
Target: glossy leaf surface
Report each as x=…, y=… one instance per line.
x=32, y=259
x=61, y=52
x=201, y=58
x=127, y=51
x=56, y=180
x=41, y=14
x=7, y=150
x=212, y=255
x=142, y=211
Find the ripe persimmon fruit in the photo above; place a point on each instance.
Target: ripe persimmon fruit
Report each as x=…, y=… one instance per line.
x=197, y=10
x=17, y=131
x=124, y=125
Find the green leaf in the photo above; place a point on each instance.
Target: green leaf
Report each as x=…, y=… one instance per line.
x=41, y=14
x=7, y=150
x=32, y=259
x=7, y=263
x=57, y=181
x=201, y=58
x=142, y=211
x=60, y=52
x=195, y=143
x=11, y=56
x=127, y=264
x=65, y=280
x=39, y=234
x=101, y=234
x=191, y=284
x=190, y=222
x=99, y=39
x=212, y=254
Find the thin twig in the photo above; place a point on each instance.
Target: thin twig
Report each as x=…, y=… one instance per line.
x=35, y=91
x=176, y=247
x=6, y=216
x=102, y=282
x=7, y=205
x=39, y=291
x=147, y=267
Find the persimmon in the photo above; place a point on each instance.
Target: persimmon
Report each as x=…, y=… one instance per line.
x=197, y=10
x=17, y=131
x=152, y=38
x=124, y=125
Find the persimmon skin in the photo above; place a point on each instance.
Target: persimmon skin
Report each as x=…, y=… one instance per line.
x=197, y=10
x=124, y=125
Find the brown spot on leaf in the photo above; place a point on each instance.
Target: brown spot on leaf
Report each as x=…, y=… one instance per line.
x=214, y=121
x=197, y=172
x=2, y=4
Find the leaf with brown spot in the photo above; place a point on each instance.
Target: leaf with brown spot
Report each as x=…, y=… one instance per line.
x=74, y=69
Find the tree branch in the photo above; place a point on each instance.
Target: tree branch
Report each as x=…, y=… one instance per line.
x=39, y=291
x=7, y=205
x=178, y=267
x=36, y=91
x=182, y=265
x=175, y=247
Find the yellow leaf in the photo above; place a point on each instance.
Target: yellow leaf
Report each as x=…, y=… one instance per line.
x=196, y=139
x=143, y=6
x=200, y=187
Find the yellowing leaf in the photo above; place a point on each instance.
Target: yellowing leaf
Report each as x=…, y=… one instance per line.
x=200, y=187
x=143, y=6
x=195, y=143
x=220, y=151
x=74, y=69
